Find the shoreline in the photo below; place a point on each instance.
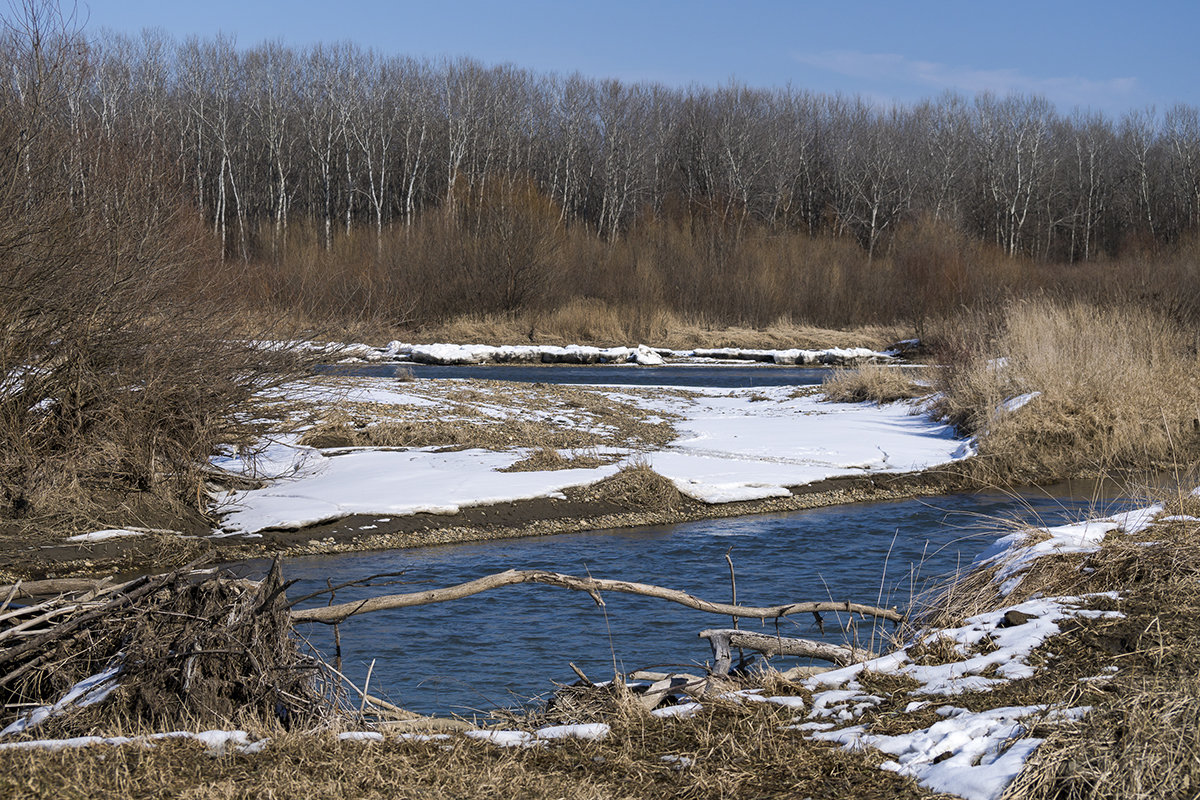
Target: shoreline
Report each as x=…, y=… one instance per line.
x=1011, y=680
x=580, y=512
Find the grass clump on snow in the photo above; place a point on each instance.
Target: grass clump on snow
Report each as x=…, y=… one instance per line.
x=638, y=486
x=1054, y=390
x=876, y=383
x=548, y=459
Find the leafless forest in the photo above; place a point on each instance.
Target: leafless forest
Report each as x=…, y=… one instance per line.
x=337, y=181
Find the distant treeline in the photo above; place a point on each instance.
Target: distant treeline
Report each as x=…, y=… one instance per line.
x=341, y=135
x=286, y=153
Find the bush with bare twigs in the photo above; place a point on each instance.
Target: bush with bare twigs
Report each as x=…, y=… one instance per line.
x=119, y=370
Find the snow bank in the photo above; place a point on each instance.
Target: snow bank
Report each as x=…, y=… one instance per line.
x=458, y=354
x=1013, y=556
x=397, y=482
x=836, y=356
x=734, y=445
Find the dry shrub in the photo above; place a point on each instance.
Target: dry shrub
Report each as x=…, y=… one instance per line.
x=1119, y=388
x=638, y=486
x=120, y=371
x=876, y=383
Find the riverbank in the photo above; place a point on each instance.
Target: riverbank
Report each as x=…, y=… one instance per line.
x=375, y=463
x=1010, y=682
x=579, y=510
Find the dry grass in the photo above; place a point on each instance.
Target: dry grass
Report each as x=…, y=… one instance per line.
x=492, y=415
x=545, y=458
x=728, y=752
x=1120, y=388
x=638, y=486
x=586, y=321
x=1143, y=748
x=876, y=383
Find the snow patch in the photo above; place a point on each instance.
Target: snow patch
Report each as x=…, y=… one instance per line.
x=100, y=536
x=968, y=754
x=89, y=691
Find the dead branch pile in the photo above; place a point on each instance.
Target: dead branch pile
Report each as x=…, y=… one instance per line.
x=189, y=649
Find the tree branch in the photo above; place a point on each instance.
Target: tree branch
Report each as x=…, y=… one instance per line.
x=337, y=613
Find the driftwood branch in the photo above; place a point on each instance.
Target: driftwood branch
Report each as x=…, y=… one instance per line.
x=331, y=615
x=725, y=639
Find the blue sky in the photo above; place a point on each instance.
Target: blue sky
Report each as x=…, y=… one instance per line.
x=1102, y=55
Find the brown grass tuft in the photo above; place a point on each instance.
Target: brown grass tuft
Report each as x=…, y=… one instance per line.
x=549, y=458
x=876, y=383
x=638, y=486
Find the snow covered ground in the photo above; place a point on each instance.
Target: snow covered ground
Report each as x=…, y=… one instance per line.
x=732, y=445
x=454, y=354
x=753, y=444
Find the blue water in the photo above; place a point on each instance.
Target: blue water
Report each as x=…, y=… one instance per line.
x=503, y=647
x=613, y=375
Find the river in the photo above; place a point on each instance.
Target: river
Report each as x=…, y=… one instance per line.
x=718, y=376
x=505, y=647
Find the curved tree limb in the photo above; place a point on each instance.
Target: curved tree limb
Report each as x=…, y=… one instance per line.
x=331, y=615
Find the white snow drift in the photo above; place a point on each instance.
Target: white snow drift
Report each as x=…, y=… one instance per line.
x=734, y=444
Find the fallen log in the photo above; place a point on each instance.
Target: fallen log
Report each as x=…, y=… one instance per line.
x=22, y=590
x=723, y=640
x=331, y=615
